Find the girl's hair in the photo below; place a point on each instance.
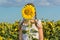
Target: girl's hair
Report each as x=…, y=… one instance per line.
x=35, y=9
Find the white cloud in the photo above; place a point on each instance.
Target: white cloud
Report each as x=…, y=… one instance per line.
x=18, y=0
x=3, y=1
x=36, y=2
x=29, y=0
x=44, y=3
x=55, y=2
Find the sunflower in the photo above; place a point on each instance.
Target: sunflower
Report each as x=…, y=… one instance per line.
x=28, y=12
x=1, y=38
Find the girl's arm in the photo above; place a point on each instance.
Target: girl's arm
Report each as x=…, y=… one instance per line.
x=40, y=30
x=39, y=27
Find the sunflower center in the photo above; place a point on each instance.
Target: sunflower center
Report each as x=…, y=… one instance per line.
x=27, y=12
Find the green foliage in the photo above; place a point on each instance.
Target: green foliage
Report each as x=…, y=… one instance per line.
x=51, y=30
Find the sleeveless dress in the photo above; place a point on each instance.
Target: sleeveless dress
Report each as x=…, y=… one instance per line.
x=30, y=33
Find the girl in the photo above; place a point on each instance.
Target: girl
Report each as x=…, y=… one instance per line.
x=31, y=29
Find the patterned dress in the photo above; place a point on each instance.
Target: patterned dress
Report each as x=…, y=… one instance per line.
x=30, y=32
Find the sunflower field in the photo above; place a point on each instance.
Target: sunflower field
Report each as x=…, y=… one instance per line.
x=51, y=29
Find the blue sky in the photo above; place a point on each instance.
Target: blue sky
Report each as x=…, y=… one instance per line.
x=10, y=10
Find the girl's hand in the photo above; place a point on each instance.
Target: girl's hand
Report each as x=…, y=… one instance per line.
x=37, y=23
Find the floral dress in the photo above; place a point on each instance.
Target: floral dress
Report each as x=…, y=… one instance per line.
x=30, y=32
